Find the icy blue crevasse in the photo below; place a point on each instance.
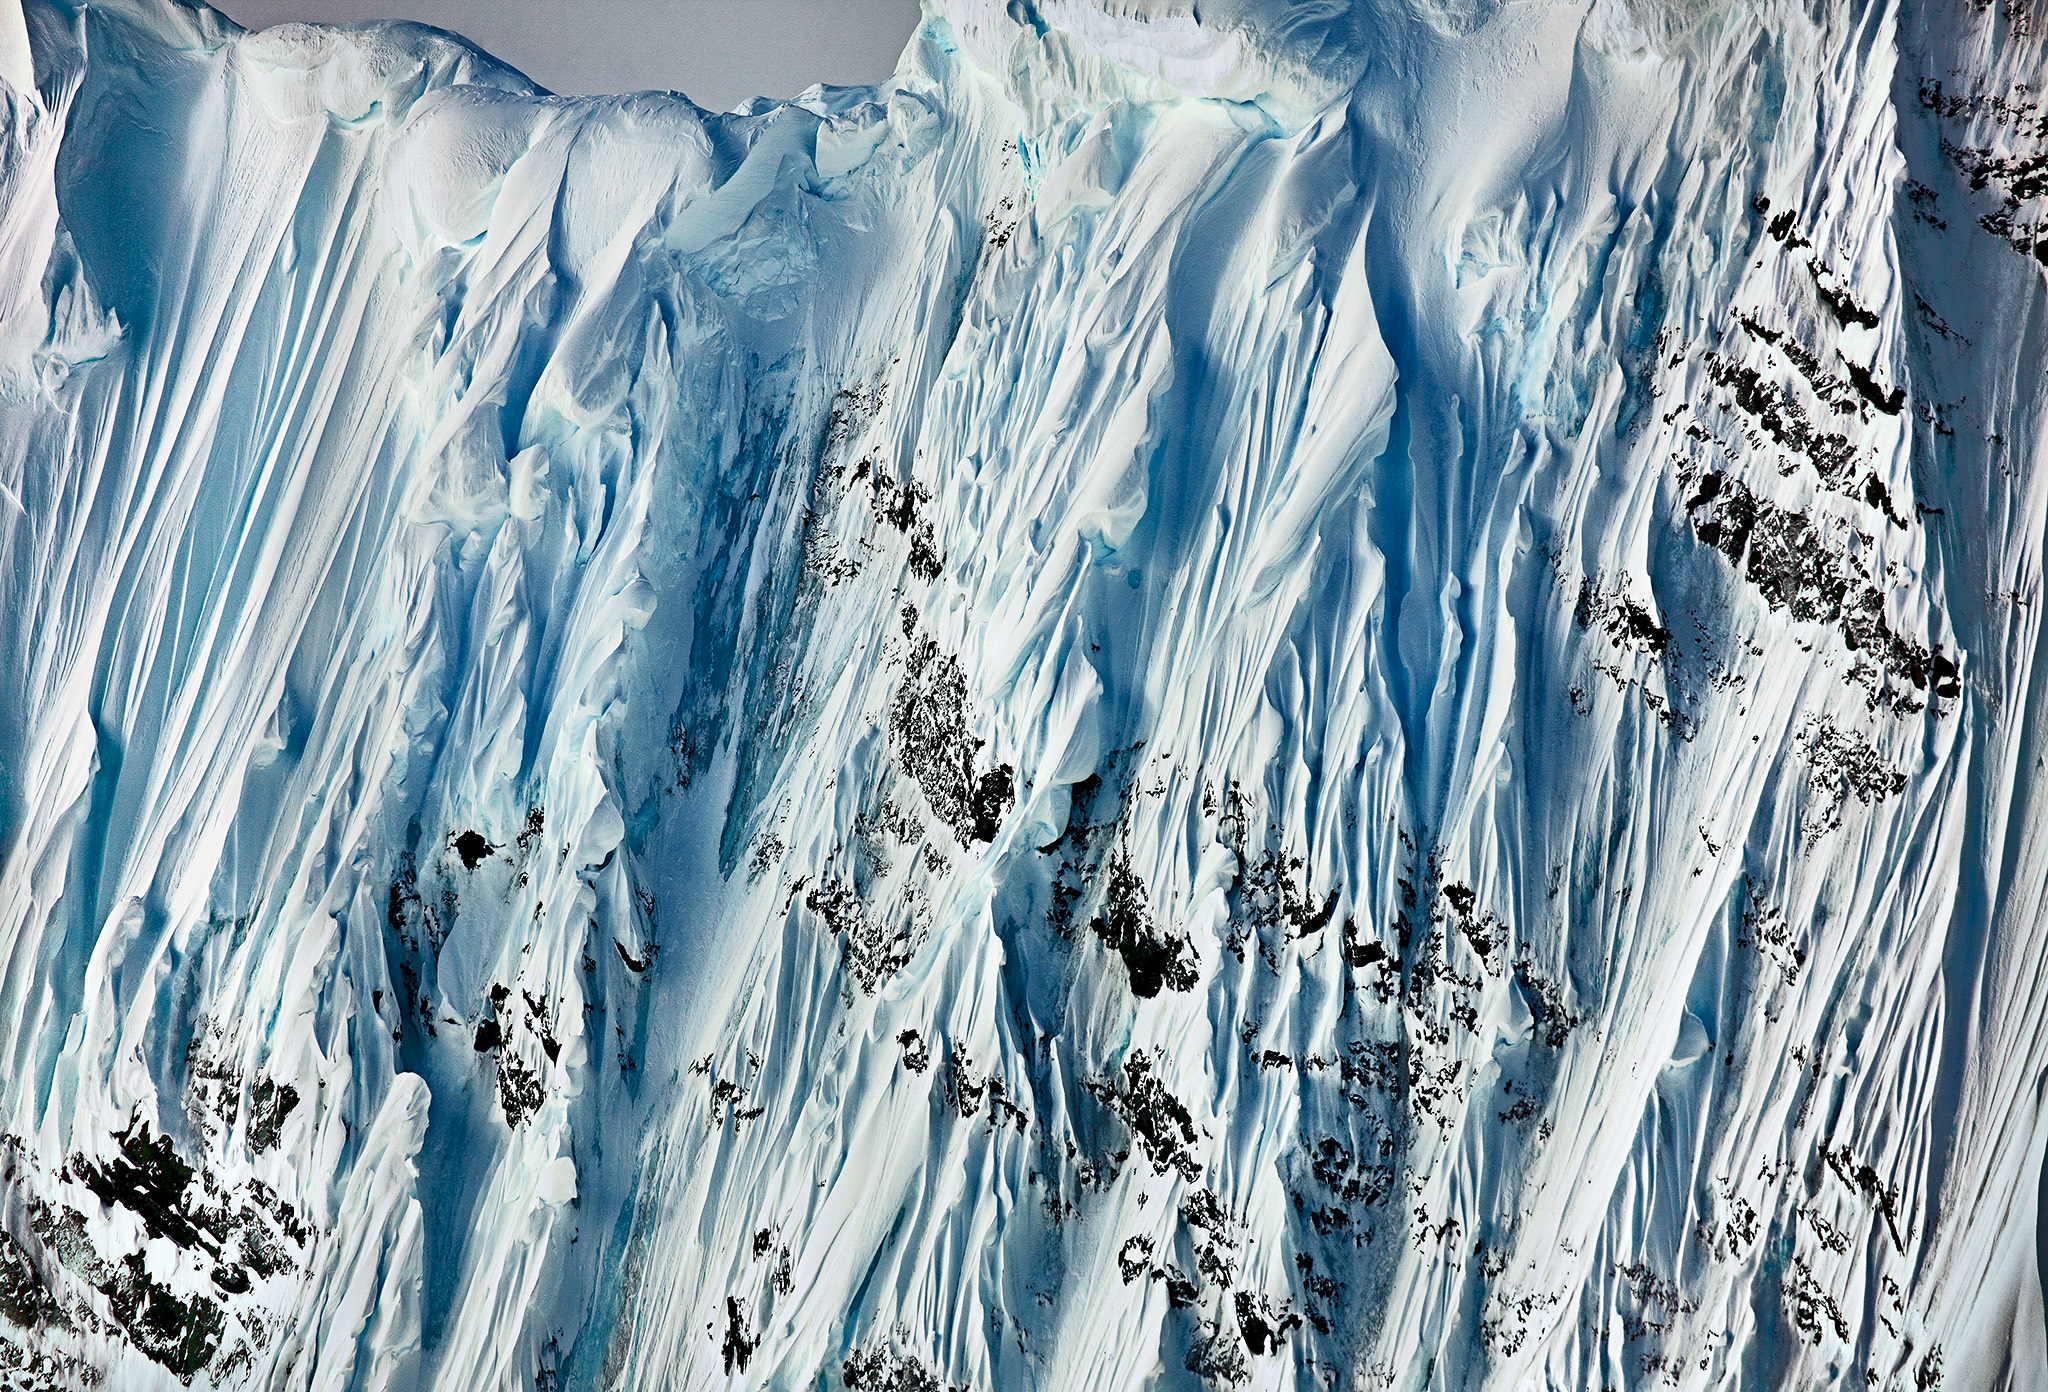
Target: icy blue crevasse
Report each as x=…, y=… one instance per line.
x=1296, y=695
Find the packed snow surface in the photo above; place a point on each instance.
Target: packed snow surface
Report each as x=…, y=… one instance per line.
x=1259, y=695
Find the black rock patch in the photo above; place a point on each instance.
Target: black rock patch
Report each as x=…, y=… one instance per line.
x=876, y=1367
x=149, y=1180
x=1264, y=1328
x=1794, y=567
x=269, y=1104
x=181, y=1334
x=1161, y=1122
x=472, y=847
x=917, y=1052
x=740, y=1341
x=24, y=1300
x=930, y=730
x=1613, y=612
x=874, y=947
x=520, y=1091
x=1154, y=960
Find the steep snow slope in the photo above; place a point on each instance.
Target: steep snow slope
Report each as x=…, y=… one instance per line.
x=1286, y=695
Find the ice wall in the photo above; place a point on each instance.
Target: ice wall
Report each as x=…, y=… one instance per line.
x=1250, y=695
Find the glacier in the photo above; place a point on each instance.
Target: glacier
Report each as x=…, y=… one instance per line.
x=1250, y=695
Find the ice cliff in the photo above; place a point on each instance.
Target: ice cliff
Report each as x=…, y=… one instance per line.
x=1258, y=695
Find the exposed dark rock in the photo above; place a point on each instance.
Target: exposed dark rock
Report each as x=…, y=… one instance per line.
x=875, y=946
x=269, y=1104
x=1153, y=959
x=181, y=1334
x=930, y=730
x=917, y=1052
x=740, y=1341
x=24, y=1300
x=1626, y=623
x=1161, y=1123
x=149, y=1180
x=520, y=1091
x=1134, y=1259
x=1795, y=567
x=876, y=1367
x=1264, y=1328
x=1890, y=402
x=472, y=847
x=901, y=505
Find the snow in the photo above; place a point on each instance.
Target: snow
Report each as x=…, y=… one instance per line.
x=1259, y=695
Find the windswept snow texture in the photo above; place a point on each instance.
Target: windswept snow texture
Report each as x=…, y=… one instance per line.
x=1293, y=696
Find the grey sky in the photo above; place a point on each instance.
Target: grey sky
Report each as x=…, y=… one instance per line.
x=719, y=52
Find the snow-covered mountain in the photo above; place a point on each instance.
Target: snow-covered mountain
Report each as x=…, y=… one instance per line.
x=1257, y=694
